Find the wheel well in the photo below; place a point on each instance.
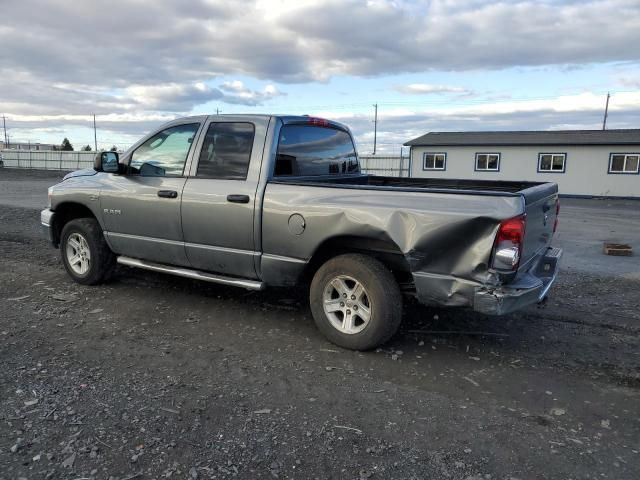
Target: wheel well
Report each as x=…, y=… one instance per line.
x=67, y=212
x=385, y=251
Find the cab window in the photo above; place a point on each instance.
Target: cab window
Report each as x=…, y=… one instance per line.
x=164, y=154
x=226, y=151
x=312, y=150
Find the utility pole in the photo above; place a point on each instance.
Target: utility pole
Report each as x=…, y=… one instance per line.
x=606, y=113
x=95, y=134
x=375, y=128
x=217, y=111
x=6, y=139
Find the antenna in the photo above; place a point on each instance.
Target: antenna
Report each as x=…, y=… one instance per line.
x=606, y=113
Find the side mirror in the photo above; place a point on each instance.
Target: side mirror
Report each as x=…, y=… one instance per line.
x=107, y=162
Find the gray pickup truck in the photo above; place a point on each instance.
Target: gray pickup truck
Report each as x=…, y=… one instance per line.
x=258, y=200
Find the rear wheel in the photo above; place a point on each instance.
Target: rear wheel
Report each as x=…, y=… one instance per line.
x=356, y=302
x=85, y=253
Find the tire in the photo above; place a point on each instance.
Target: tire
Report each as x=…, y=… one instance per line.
x=82, y=240
x=344, y=320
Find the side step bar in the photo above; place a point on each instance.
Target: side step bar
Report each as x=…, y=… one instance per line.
x=189, y=273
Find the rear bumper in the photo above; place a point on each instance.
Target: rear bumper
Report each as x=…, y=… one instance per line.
x=530, y=288
x=47, y=219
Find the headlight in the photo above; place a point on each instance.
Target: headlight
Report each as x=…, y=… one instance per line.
x=49, y=193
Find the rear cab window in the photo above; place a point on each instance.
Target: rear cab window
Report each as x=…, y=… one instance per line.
x=311, y=150
x=226, y=151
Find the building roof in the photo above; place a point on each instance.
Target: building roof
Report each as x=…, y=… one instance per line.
x=550, y=137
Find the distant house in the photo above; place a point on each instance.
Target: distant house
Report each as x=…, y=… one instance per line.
x=583, y=162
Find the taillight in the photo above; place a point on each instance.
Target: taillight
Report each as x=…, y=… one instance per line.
x=555, y=222
x=508, y=245
x=318, y=122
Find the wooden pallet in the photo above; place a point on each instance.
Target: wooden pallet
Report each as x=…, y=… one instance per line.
x=618, y=249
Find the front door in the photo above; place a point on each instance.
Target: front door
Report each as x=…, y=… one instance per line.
x=141, y=209
x=219, y=197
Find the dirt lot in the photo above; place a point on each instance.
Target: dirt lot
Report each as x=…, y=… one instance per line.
x=152, y=376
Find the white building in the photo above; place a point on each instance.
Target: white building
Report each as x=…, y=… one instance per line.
x=602, y=163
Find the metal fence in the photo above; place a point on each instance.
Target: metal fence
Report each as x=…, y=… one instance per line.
x=47, y=160
x=61, y=160
x=384, y=166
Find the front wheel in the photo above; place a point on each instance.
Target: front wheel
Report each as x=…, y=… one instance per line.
x=356, y=302
x=85, y=253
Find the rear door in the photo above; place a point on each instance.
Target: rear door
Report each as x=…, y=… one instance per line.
x=218, y=202
x=141, y=209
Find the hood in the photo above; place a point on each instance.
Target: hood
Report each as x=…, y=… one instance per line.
x=86, y=172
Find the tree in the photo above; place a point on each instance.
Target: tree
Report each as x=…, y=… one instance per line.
x=86, y=148
x=114, y=149
x=66, y=145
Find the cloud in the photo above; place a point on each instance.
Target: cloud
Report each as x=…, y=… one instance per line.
x=236, y=92
x=21, y=93
x=172, y=97
x=165, y=42
x=629, y=82
x=162, y=42
x=382, y=37
x=428, y=89
x=175, y=97
x=135, y=60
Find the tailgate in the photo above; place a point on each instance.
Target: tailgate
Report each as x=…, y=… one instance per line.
x=541, y=211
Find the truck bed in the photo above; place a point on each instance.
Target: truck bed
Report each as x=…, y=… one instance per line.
x=537, y=199
x=439, y=185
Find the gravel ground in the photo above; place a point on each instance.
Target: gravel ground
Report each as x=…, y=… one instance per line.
x=153, y=376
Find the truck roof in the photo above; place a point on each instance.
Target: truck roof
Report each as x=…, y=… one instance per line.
x=283, y=117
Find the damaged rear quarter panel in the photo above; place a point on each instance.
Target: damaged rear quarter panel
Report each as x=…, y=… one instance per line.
x=446, y=238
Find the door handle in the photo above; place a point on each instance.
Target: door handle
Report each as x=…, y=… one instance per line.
x=167, y=193
x=238, y=198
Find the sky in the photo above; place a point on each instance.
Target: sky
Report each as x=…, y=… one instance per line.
x=429, y=65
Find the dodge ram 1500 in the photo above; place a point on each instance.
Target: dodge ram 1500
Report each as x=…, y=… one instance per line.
x=260, y=200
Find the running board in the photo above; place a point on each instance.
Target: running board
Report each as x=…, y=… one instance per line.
x=189, y=273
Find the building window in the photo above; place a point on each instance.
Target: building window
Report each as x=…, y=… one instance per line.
x=434, y=161
x=551, y=162
x=487, y=162
x=624, y=162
